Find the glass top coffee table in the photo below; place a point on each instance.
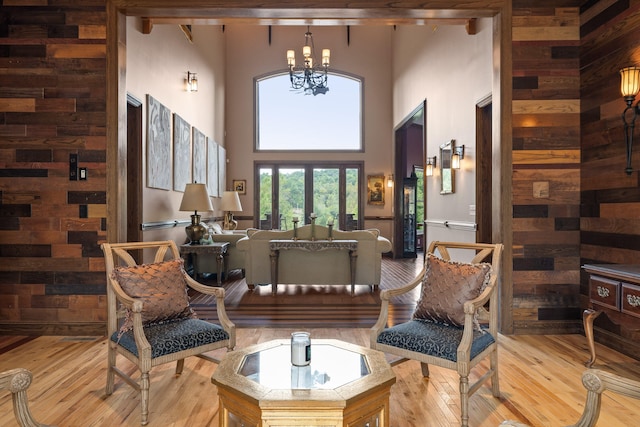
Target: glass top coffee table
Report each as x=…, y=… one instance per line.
x=344, y=384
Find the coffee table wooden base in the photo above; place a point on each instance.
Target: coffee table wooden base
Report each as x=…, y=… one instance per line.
x=370, y=410
x=363, y=402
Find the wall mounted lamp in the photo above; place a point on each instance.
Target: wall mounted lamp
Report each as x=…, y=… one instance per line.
x=629, y=86
x=192, y=82
x=457, y=156
x=431, y=163
x=390, y=181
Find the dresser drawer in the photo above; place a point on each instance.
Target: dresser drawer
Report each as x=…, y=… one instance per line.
x=630, y=301
x=605, y=292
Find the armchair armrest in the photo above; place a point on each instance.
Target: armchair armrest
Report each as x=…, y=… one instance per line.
x=219, y=293
x=385, y=297
x=17, y=381
x=387, y=294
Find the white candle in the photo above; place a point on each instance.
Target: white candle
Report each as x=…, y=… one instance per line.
x=313, y=215
x=330, y=221
x=295, y=219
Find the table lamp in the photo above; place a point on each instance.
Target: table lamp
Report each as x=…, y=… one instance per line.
x=230, y=202
x=195, y=198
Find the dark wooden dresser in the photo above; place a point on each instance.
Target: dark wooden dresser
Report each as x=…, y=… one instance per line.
x=614, y=290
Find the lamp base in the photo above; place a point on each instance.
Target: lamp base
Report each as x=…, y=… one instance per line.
x=195, y=231
x=229, y=223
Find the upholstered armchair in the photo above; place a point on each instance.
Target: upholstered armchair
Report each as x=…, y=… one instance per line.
x=17, y=381
x=451, y=326
x=149, y=319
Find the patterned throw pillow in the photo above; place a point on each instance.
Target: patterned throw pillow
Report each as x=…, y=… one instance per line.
x=160, y=286
x=446, y=286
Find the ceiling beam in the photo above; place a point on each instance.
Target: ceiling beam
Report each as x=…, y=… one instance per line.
x=468, y=23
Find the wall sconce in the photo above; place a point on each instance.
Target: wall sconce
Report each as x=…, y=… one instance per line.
x=629, y=86
x=192, y=82
x=458, y=154
x=390, y=181
x=431, y=163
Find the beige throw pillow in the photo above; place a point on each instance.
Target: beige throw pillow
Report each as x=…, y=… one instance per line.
x=446, y=286
x=160, y=286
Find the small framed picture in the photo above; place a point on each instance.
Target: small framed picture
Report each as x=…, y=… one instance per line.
x=240, y=185
x=375, y=189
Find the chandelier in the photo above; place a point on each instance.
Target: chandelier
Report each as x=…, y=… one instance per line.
x=309, y=78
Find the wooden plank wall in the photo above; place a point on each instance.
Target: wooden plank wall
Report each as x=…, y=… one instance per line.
x=546, y=166
x=52, y=105
x=610, y=199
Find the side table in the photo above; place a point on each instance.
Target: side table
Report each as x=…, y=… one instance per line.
x=351, y=246
x=218, y=249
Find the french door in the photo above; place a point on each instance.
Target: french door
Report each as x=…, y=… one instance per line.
x=332, y=191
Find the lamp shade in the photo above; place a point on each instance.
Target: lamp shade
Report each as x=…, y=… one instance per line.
x=455, y=160
x=196, y=198
x=231, y=201
x=630, y=81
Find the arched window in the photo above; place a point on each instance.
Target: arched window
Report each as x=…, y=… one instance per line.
x=289, y=120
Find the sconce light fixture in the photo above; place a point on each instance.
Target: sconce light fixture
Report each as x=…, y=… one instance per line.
x=458, y=154
x=192, y=82
x=431, y=164
x=390, y=181
x=629, y=86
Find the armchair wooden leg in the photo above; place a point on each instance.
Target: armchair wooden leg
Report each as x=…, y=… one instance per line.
x=495, y=383
x=464, y=401
x=111, y=363
x=144, y=398
x=179, y=366
x=425, y=369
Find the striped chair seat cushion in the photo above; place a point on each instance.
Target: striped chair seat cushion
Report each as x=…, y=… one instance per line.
x=434, y=339
x=174, y=336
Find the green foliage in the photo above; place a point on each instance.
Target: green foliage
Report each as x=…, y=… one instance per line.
x=291, y=195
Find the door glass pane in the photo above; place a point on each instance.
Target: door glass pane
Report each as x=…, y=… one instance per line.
x=326, y=193
x=265, y=204
x=352, y=195
x=290, y=197
x=420, y=207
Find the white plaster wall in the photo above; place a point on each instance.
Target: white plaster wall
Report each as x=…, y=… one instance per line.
x=452, y=71
x=368, y=55
x=157, y=64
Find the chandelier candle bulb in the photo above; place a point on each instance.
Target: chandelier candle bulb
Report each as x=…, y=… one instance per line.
x=300, y=348
x=326, y=54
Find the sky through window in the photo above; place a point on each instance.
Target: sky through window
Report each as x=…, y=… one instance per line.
x=289, y=120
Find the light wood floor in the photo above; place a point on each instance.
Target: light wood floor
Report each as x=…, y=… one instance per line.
x=540, y=376
x=540, y=384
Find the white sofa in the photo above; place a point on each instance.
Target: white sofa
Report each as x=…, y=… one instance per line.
x=331, y=267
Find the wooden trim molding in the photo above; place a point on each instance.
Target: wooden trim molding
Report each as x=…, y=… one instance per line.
x=330, y=13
